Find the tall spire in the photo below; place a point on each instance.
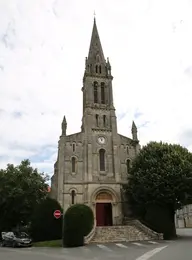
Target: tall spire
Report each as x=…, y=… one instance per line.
x=95, y=64
x=95, y=49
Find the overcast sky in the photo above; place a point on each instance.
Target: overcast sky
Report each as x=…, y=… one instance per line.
x=43, y=45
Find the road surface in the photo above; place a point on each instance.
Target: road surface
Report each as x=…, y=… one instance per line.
x=153, y=250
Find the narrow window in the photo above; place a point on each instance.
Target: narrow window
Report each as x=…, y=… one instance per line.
x=95, y=92
x=73, y=145
x=127, y=150
x=96, y=68
x=100, y=69
x=102, y=159
x=128, y=164
x=97, y=120
x=102, y=93
x=73, y=197
x=73, y=162
x=104, y=120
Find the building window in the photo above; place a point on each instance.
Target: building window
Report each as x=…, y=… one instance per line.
x=128, y=164
x=97, y=120
x=73, y=162
x=127, y=149
x=96, y=69
x=104, y=120
x=73, y=197
x=73, y=147
x=100, y=69
x=102, y=159
x=95, y=86
x=102, y=93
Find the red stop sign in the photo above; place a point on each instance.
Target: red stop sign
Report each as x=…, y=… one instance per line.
x=57, y=213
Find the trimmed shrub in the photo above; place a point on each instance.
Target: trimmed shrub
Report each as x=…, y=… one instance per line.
x=78, y=222
x=44, y=226
x=87, y=218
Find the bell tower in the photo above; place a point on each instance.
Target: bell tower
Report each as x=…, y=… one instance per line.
x=98, y=108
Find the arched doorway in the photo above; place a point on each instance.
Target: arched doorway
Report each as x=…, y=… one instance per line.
x=104, y=209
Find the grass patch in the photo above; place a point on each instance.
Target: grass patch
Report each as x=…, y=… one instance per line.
x=52, y=243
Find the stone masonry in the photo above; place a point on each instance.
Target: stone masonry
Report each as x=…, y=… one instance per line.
x=97, y=159
x=131, y=232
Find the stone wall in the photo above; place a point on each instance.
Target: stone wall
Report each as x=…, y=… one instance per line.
x=183, y=217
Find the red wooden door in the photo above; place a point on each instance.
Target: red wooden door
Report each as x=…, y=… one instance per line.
x=108, y=214
x=100, y=214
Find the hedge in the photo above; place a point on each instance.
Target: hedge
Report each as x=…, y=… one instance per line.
x=78, y=222
x=44, y=227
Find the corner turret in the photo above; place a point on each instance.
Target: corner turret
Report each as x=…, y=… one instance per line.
x=134, y=131
x=64, y=126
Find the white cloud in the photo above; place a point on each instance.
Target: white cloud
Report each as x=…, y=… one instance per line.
x=43, y=44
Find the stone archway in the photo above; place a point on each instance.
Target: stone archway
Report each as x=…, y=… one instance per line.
x=103, y=209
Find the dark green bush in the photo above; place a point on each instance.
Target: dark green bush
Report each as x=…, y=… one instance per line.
x=44, y=226
x=87, y=218
x=160, y=219
x=73, y=237
x=78, y=222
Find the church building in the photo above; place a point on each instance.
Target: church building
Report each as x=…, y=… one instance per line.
x=93, y=164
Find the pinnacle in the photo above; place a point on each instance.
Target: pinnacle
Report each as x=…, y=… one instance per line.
x=64, y=120
x=134, y=126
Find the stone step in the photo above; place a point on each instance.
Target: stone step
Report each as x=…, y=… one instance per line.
x=118, y=234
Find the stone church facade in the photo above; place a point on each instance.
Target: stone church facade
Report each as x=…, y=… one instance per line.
x=93, y=164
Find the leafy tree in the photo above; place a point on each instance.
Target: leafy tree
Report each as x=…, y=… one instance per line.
x=21, y=188
x=160, y=178
x=44, y=226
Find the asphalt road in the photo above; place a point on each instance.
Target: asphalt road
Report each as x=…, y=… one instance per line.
x=180, y=249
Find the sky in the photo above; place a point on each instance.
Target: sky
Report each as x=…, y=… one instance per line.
x=43, y=45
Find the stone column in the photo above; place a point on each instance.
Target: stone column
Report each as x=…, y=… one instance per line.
x=117, y=163
x=90, y=168
x=99, y=93
x=110, y=94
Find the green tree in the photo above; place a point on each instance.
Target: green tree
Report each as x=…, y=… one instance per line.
x=44, y=226
x=160, y=181
x=21, y=188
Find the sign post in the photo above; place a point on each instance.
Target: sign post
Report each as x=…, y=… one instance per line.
x=57, y=214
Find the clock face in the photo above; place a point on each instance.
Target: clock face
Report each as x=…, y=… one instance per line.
x=101, y=140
